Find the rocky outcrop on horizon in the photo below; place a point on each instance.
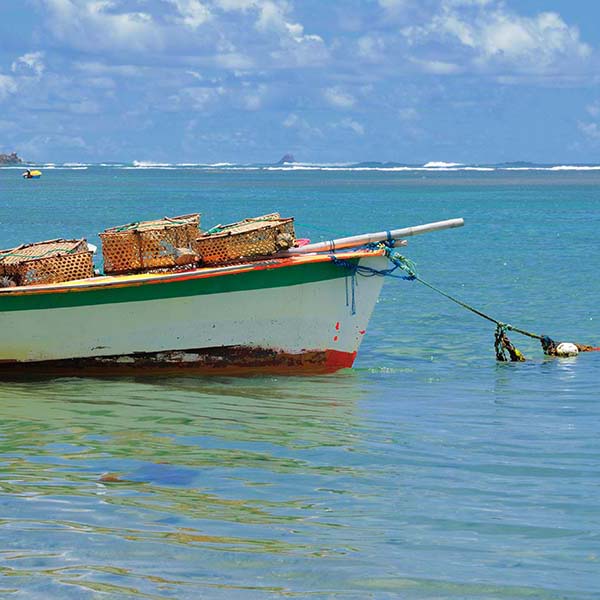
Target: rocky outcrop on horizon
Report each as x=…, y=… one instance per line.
x=286, y=158
x=10, y=159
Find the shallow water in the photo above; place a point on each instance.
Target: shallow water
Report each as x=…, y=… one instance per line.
x=428, y=471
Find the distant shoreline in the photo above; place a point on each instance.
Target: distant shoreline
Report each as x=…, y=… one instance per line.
x=13, y=161
x=10, y=159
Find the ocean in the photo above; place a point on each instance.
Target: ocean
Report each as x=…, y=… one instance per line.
x=429, y=471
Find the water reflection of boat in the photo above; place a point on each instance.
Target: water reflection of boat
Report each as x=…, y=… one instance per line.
x=303, y=312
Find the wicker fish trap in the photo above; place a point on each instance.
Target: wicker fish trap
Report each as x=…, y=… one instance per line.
x=53, y=261
x=251, y=238
x=147, y=245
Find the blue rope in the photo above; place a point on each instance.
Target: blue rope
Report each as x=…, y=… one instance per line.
x=353, y=269
x=356, y=269
x=401, y=262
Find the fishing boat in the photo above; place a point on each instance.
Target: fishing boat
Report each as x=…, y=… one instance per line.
x=305, y=310
x=31, y=174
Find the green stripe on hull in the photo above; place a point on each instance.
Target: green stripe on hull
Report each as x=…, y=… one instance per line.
x=158, y=290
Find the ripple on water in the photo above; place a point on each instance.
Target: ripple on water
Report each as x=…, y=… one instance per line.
x=429, y=471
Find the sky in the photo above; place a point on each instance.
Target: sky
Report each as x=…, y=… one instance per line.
x=204, y=81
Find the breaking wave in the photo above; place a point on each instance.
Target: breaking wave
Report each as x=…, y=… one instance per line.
x=385, y=167
x=440, y=164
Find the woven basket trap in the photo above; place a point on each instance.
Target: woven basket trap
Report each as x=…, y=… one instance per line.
x=262, y=236
x=53, y=261
x=148, y=244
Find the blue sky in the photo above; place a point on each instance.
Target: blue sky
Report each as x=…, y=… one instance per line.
x=249, y=80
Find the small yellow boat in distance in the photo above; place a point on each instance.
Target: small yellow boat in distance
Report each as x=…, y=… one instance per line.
x=32, y=174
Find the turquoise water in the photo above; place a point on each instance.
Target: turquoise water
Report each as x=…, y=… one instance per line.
x=427, y=472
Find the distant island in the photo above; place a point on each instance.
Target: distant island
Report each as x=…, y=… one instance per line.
x=10, y=159
x=286, y=158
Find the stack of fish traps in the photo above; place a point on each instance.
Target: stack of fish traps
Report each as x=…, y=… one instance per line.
x=53, y=261
x=150, y=245
x=249, y=239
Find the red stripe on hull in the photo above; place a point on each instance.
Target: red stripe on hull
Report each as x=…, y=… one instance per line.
x=227, y=360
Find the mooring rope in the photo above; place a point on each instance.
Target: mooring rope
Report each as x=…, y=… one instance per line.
x=505, y=350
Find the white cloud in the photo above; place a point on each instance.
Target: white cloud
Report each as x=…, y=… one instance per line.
x=436, y=67
x=253, y=102
x=339, y=98
x=593, y=108
x=192, y=12
x=98, y=25
x=199, y=98
x=234, y=61
x=590, y=130
x=352, y=125
x=236, y=4
x=253, y=99
x=408, y=114
x=272, y=18
x=495, y=35
x=29, y=63
x=41, y=146
x=94, y=68
x=371, y=47
x=265, y=31
x=396, y=5
x=291, y=120
x=304, y=129
x=8, y=86
x=85, y=107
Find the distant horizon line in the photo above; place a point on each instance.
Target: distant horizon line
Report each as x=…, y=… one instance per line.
x=183, y=163
x=292, y=165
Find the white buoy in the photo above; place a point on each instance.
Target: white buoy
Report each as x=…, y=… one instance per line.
x=566, y=349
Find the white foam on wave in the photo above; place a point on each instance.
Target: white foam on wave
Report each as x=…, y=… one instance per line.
x=297, y=167
x=430, y=167
x=292, y=167
x=397, y=169
x=55, y=168
x=555, y=168
x=576, y=168
x=148, y=164
x=157, y=167
x=477, y=169
x=316, y=164
x=242, y=168
x=440, y=164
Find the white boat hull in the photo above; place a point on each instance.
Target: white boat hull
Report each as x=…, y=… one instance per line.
x=302, y=314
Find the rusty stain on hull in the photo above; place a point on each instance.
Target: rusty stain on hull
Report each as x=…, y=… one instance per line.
x=221, y=360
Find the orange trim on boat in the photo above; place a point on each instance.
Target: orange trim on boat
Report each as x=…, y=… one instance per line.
x=200, y=273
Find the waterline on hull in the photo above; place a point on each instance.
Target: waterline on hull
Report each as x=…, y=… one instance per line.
x=224, y=360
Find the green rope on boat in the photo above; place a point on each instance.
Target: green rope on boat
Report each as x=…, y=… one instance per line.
x=409, y=266
x=151, y=224
x=222, y=228
x=127, y=227
x=215, y=229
